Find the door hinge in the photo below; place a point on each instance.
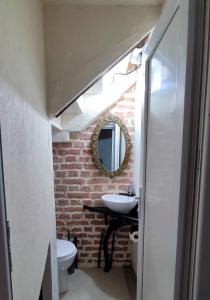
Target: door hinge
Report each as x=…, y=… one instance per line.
x=9, y=246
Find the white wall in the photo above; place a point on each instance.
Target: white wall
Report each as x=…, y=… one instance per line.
x=83, y=41
x=26, y=137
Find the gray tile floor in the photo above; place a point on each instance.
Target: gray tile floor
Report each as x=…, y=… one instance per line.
x=94, y=284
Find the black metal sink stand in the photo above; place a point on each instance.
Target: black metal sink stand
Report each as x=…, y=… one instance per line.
x=114, y=225
x=117, y=220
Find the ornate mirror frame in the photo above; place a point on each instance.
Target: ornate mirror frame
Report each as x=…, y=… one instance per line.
x=96, y=133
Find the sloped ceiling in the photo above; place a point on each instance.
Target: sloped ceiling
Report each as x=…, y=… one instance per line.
x=82, y=42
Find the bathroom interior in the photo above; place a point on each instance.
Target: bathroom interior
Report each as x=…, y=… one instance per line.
x=95, y=144
x=72, y=89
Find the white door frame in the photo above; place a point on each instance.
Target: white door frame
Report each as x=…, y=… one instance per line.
x=193, y=267
x=193, y=61
x=200, y=289
x=162, y=25
x=5, y=257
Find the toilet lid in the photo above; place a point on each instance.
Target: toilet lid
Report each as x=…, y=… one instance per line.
x=65, y=249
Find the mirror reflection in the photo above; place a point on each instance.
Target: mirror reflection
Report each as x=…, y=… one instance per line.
x=111, y=146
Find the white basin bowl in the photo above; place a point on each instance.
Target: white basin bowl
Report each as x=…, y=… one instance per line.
x=119, y=203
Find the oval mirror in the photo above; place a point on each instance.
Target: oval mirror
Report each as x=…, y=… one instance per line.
x=111, y=146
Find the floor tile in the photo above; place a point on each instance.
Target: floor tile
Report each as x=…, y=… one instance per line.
x=94, y=284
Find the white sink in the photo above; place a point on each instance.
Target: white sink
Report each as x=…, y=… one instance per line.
x=119, y=203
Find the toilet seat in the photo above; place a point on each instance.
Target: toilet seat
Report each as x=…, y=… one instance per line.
x=66, y=253
x=65, y=250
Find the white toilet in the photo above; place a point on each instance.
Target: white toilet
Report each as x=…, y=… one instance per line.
x=66, y=253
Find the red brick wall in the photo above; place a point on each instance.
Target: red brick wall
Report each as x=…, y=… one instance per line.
x=79, y=182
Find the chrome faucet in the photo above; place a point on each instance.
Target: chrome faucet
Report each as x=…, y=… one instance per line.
x=131, y=190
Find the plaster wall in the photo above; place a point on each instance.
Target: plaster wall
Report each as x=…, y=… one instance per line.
x=82, y=42
x=26, y=138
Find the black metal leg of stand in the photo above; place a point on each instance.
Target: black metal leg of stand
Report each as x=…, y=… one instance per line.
x=114, y=225
x=112, y=250
x=100, y=247
x=76, y=259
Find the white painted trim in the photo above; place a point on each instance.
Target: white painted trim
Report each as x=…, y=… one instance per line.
x=167, y=14
x=170, y=9
x=200, y=260
x=201, y=270
x=5, y=276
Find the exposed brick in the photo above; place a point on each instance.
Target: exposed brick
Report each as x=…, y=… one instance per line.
x=59, y=209
x=74, y=151
x=82, y=235
x=91, y=248
x=98, y=180
x=65, y=216
x=85, y=188
x=94, y=254
x=79, y=222
x=56, y=167
x=98, y=203
x=60, y=188
x=59, y=222
x=88, y=229
x=59, y=195
x=74, y=208
x=60, y=174
x=122, y=242
x=96, y=173
x=58, y=160
x=95, y=195
x=88, y=202
x=86, y=242
x=78, y=182
x=90, y=216
x=93, y=236
x=77, y=144
x=75, y=202
x=78, y=195
x=73, y=181
x=97, y=222
x=76, y=229
x=86, y=174
x=87, y=151
x=72, y=173
x=70, y=158
x=65, y=145
x=62, y=202
x=77, y=216
x=69, y=166
x=84, y=254
x=63, y=152
x=98, y=229
x=119, y=255
x=89, y=166
x=100, y=216
x=74, y=188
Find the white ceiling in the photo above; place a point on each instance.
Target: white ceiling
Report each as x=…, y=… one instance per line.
x=106, y=2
